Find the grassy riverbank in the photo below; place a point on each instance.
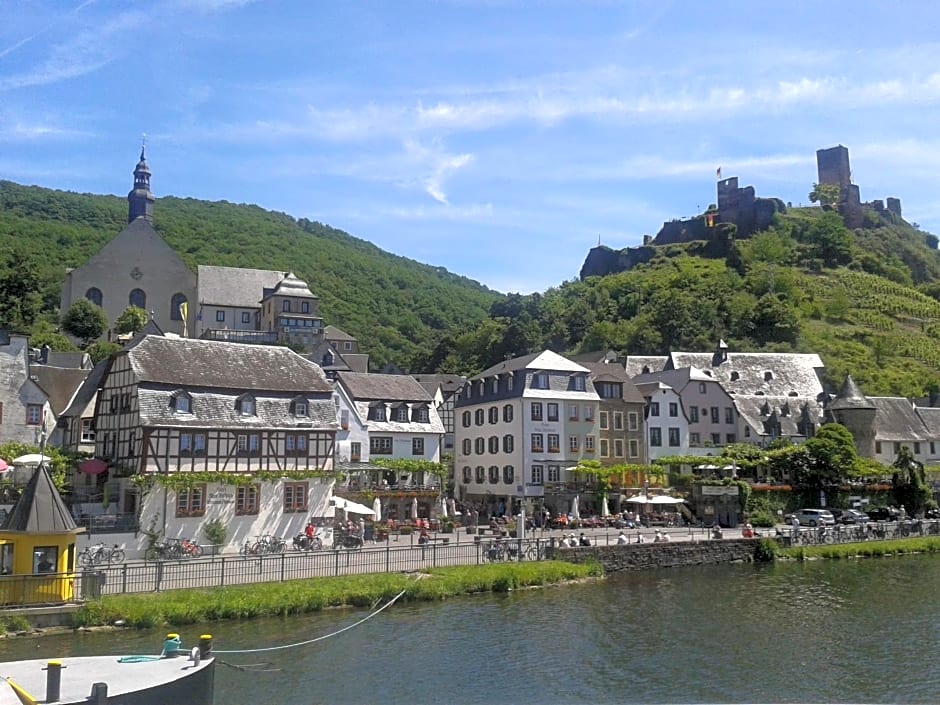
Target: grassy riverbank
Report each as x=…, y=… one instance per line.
x=275, y=599
x=864, y=549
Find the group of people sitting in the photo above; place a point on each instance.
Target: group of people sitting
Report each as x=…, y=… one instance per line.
x=572, y=542
x=658, y=537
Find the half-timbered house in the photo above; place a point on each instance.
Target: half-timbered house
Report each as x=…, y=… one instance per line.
x=178, y=407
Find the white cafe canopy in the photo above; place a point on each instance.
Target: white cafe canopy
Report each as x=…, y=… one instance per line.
x=351, y=507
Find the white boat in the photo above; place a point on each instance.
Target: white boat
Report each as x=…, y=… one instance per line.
x=181, y=677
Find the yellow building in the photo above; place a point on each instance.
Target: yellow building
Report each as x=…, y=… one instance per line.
x=37, y=546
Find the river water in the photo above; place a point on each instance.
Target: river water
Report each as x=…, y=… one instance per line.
x=823, y=631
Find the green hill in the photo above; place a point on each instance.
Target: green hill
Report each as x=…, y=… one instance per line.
x=868, y=301
x=396, y=307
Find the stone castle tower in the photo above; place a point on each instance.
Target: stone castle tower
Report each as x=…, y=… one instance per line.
x=853, y=410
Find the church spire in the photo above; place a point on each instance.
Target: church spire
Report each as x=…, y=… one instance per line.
x=140, y=200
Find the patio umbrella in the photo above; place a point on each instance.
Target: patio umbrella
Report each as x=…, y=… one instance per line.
x=663, y=499
x=443, y=507
x=352, y=507
x=575, y=508
x=414, y=507
x=377, y=509
x=605, y=509
x=638, y=499
x=92, y=466
x=3, y=465
x=30, y=459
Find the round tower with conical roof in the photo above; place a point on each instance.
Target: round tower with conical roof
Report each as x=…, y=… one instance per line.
x=853, y=410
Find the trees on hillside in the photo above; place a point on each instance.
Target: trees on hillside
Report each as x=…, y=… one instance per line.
x=825, y=194
x=85, y=321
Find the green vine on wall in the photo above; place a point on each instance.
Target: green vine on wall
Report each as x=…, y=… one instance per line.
x=187, y=480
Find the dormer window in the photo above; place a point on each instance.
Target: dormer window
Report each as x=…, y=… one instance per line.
x=245, y=405
x=377, y=412
x=299, y=407
x=401, y=414
x=494, y=385
x=735, y=375
x=509, y=381
x=540, y=380
x=420, y=414
x=577, y=383
x=181, y=402
x=768, y=375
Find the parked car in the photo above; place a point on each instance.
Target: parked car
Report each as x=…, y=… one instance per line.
x=815, y=517
x=883, y=514
x=851, y=516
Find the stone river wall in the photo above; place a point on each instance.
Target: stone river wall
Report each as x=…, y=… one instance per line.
x=646, y=556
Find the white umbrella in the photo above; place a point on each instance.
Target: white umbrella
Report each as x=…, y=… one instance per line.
x=575, y=508
x=605, y=509
x=638, y=499
x=352, y=507
x=30, y=459
x=663, y=499
x=414, y=507
x=377, y=509
x=443, y=507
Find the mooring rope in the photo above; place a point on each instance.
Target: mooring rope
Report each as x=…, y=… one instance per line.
x=319, y=638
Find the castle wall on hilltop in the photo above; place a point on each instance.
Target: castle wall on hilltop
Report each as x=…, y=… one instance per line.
x=741, y=207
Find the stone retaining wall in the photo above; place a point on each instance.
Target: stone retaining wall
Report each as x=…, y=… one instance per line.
x=646, y=556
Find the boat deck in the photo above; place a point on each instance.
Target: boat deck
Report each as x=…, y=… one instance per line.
x=145, y=678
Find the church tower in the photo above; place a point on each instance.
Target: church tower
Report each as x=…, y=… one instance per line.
x=140, y=200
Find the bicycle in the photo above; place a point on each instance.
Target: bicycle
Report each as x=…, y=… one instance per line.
x=99, y=553
x=168, y=549
x=190, y=549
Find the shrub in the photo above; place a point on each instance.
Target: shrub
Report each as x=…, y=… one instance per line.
x=766, y=551
x=761, y=517
x=215, y=532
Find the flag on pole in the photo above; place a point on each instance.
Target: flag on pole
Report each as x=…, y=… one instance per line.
x=184, y=312
x=718, y=173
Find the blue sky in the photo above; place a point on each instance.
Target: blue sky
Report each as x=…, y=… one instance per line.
x=500, y=139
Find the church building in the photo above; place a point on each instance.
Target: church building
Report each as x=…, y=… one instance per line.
x=136, y=268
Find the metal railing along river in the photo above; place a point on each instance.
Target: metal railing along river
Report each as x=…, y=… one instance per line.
x=387, y=557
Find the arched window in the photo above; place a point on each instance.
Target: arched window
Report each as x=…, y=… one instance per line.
x=137, y=298
x=94, y=295
x=178, y=300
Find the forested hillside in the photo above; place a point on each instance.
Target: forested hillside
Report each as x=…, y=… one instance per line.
x=395, y=306
x=865, y=300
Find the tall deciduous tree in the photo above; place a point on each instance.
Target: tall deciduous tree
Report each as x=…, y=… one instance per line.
x=825, y=194
x=131, y=320
x=85, y=321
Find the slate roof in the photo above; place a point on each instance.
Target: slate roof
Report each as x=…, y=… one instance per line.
x=448, y=384
x=851, y=397
x=636, y=363
x=319, y=356
x=59, y=383
x=234, y=286
x=370, y=386
x=545, y=360
x=896, y=420
x=334, y=333
x=434, y=425
x=930, y=417
x=212, y=409
x=40, y=509
x=292, y=286
x=190, y=362
x=87, y=391
x=789, y=413
x=358, y=362
x=79, y=360
x=612, y=372
x=790, y=372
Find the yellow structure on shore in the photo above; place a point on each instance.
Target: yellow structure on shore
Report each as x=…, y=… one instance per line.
x=37, y=546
